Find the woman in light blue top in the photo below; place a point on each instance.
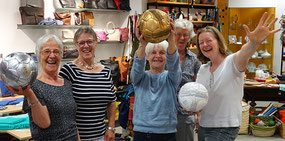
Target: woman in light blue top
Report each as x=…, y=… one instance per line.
x=155, y=106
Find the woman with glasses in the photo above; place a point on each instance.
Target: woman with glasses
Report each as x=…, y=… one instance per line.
x=155, y=112
x=93, y=89
x=223, y=76
x=189, y=65
x=49, y=101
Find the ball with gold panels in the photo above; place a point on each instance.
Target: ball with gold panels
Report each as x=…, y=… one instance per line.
x=154, y=25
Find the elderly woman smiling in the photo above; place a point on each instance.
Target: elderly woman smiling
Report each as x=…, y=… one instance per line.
x=49, y=101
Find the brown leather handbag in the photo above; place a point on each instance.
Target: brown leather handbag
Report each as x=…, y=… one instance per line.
x=87, y=18
x=64, y=17
x=31, y=15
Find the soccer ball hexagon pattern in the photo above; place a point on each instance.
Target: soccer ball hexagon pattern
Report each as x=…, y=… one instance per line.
x=154, y=25
x=193, y=96
x=18, y=69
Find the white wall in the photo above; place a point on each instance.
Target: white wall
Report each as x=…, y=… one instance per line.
x=277, y=43
x=13, y=39
x=252, y=3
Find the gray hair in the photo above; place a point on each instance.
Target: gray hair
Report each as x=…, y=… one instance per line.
x=149, y=47
x=82, y=30
x=42, y=40
x=185, y=24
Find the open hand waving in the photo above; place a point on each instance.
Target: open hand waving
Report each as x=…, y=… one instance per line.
x=262, y=31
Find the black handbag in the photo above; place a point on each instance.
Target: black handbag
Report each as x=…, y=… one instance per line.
x=125, y=5
x=90, y=3
x=67, y=3
x=114, y=66
x=70, y=53
x=31, y=15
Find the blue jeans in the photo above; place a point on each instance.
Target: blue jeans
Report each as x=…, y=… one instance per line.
x=140, y=136
x=217, y=134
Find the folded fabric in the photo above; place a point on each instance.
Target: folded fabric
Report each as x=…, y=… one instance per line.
x=11, y=101
x=4, y=91
x=50, y=21
x=14, y=122
x=282, y=87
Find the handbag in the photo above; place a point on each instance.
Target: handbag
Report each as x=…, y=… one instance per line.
x=125, y=5
x=101, y=4
x=87, y=18
x=101, y=35
x=114, y=66
x=111, y=4
x=89, y=3
x=70, y=53
x=31, y=15
x=64, y=17
x=67, y=36
x=124, y=34
x=67, y=3
x=113, y=34
x=118, y=3
x=124, y=67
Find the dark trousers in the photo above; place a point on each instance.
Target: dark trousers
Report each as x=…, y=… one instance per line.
x=140, y=136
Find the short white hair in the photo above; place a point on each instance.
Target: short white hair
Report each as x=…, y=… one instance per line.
x=41, y=41
x=149, y=47
x=185, y=24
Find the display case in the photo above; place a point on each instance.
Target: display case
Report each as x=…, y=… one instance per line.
x=236, y=37
x=199, y=14
x=189, y=5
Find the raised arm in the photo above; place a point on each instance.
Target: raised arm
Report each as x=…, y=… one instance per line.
x=141, y=50
x=171, y=40
x=260, y=33
x=39, y=112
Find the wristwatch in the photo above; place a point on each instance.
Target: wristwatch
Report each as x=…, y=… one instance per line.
x=111, y=128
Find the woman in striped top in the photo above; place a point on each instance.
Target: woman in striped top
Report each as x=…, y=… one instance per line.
x=93, y=89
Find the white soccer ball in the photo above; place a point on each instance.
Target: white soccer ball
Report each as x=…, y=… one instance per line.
x=18, y=69
x=193, y=96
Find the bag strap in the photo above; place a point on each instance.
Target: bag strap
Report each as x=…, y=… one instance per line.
x=127, y=32
x=107, y=27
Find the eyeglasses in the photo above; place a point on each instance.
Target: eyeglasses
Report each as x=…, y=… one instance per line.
x=89, y=43
x=184, y=35
x=47, y=52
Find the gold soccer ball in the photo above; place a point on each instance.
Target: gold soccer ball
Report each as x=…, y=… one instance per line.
x=154, y=25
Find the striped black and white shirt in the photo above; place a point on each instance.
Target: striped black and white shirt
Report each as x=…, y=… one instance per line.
x=92, y=93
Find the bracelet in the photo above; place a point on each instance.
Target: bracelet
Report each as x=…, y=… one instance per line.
x=33, y=104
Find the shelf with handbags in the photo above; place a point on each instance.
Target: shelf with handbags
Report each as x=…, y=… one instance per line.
x=88, y=9
x=20, y=26
x=70, y=13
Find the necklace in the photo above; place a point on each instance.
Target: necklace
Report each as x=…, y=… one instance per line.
x=87, y=67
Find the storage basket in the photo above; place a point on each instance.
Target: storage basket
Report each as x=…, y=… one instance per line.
x=281, y=127
x=245, y=119
x=262, y=131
